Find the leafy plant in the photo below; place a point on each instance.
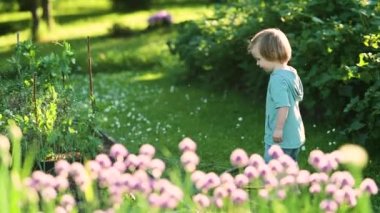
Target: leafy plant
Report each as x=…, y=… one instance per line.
x=326, y=45
x=41, y=102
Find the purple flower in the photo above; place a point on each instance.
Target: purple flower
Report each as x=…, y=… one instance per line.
x=369, y=186
x=187, y=145
x=118, y=151
x=239, y=158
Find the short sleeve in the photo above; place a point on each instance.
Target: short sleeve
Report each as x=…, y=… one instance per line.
x=279, y=92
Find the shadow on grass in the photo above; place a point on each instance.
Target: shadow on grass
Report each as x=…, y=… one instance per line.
x=68, y=18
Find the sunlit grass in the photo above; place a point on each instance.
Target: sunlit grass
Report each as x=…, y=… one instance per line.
x=96, y=20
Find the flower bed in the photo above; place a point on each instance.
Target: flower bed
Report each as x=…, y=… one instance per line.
x=140, y=182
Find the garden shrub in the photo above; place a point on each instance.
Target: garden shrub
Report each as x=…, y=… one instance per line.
x=335, y=50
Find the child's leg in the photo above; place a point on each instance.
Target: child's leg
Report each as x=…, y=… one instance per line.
x=293, y=153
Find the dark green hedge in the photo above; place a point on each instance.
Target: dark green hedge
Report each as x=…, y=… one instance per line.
x=335, y=50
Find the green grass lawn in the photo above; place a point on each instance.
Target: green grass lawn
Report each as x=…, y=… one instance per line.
x=140, y=100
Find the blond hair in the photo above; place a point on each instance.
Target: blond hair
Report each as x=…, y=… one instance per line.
x=272, y=44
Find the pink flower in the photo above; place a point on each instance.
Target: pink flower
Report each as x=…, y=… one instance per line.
x=281, y=194
x=211, y=180
x=48, y=194
x=197, y=175
x=118, y=151
x=303, y=177
x=132, y=162
x=61, y=183
x=239, y=158
x=241, y=180
x=331, y=188
x=251, y=172
x=189, y=160
x=369, y=186
x=275, y=151
x=157, y=167
x=256, y=160
x=315, y=188
x=287, y=181
x=315, y=157
x=220, y=192
x=68, y=202
x=275, y=166
x=226, y=178
x=187, y=145
x=342, y=178
x=119, y=165
x=264, y=193
x=4, y=144
x=147, y=150
x=94, y=168
x=103, y=160
x=328, y=206
x=62, y=168
x=239, y=196
x=201, y=200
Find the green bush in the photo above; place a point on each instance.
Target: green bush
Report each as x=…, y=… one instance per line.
x=331, y=51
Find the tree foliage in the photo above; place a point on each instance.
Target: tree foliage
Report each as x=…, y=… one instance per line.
x=335, y=50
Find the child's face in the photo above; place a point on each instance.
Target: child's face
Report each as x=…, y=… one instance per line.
x=264, y=64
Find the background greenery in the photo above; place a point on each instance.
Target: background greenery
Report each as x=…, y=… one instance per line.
x=146, y=94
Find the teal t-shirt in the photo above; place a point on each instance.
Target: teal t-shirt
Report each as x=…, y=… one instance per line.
x=285, y=90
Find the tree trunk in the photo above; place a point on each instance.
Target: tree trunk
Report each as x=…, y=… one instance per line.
x=35, y=19
x=46, y=12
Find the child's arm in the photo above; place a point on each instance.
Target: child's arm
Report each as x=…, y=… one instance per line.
x=282, y=114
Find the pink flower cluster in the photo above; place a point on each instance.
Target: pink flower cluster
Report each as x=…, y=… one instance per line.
x=127, y=177
x=121, y=174
x=160, y=18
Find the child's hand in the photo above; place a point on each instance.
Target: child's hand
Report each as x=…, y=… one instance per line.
x=277, y=135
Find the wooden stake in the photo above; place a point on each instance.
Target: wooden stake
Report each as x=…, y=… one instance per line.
x=89, y=60
x=34, y=97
